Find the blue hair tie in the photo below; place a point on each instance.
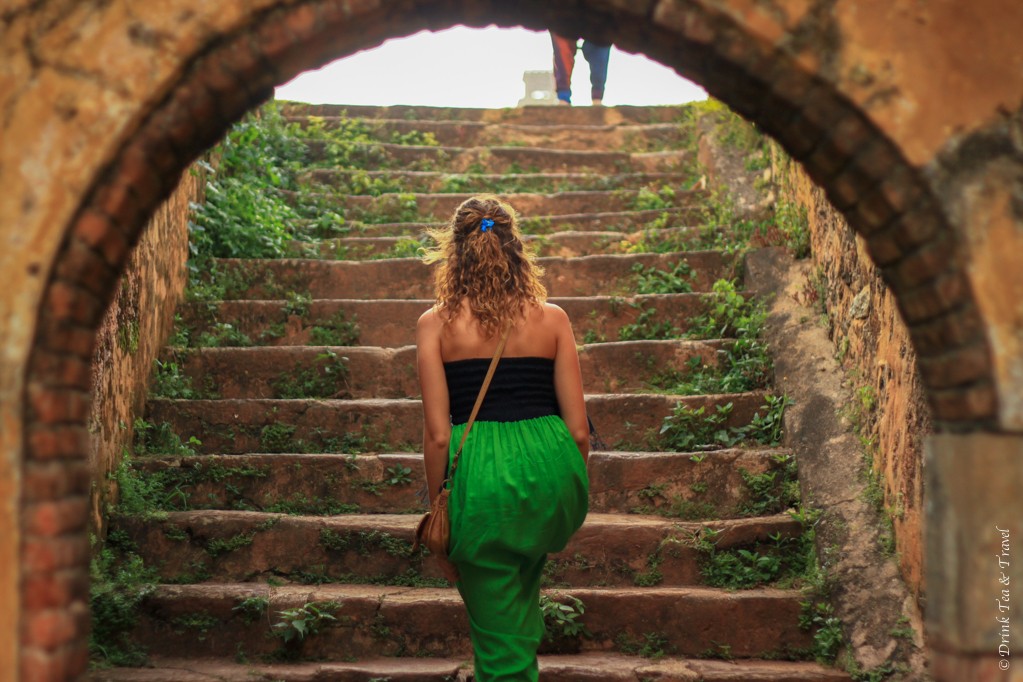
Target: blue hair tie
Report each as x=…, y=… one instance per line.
x=486, y=224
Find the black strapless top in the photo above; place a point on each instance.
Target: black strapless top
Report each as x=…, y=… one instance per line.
x=522, y=388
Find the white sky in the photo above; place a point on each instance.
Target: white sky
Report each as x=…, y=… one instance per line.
x=466, y=67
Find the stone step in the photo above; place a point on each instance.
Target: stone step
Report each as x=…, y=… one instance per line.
x=631, y=137
x=610, y=550
x=566, y=244
x=613, y=221
x=432, y=207
x=402, y=278
x=376, y=182
x=368, y=372
x=678, y=485
x=624, y=421
x=226, y=620
x=391, y=323
x=514, y=159
x=534, y=115
x=582, y=667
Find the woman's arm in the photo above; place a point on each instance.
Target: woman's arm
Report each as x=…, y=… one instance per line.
x=568, y=381
x=436, y=410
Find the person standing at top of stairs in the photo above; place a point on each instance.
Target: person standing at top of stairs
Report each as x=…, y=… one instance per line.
x=596, y=56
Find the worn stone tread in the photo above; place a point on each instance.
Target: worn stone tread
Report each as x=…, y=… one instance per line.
x=607, y=221
x=266, y=371
x=425, y=182
x=410, y=278
x=609, y=549
x=439, y=206
x=583, y=667
x=563, y=244
x=391, y=323
x=514, y=158
x=624, y=421
x=621, y=482
x=380, y=620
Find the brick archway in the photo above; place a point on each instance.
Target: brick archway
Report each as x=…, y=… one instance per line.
x=864, y=173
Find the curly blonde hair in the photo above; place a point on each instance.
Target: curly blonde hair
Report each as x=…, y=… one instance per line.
x=489, y=269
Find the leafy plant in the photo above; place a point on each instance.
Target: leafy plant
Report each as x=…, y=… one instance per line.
x=223, y=334
x=119, y=582
x=169, y=381
x=326, y=378
x=689, y=428
x=562, y=617
x=653, y=280
x=336, y=330
x=728, y=313
x=652, y=645
x=161, y=439
x=827, y=636
x=300, y=622
x=650, y=198
x=398, y=475
x=645, y=328
x=277, y=437
x=694, y=428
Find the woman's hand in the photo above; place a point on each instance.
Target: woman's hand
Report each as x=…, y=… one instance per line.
x=449, y=570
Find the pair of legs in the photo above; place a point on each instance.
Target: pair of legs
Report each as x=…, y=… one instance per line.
x=501, y=591
x=564, y=61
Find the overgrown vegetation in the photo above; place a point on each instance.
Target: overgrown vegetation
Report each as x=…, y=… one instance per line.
x=562, y=619
x=327, y=377
x=119, y=582
x=689, y=428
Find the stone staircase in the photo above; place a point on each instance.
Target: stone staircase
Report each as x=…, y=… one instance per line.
x=303, y=490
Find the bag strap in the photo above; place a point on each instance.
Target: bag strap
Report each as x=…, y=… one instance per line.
x=476, y=407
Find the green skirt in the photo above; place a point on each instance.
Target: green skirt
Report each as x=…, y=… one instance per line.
x=519, y=493
x=519, y=487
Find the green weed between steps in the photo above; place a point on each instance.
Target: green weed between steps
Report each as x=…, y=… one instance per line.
x=688, y=429
x=119, y=582
x=647, y=327
x=327, y=377
x=302, y=621
x=562, y=618
x=252, y=609
x=365, y=542
x=651, y=645
x=279, y=437
x=654, y=280
x=161, y=439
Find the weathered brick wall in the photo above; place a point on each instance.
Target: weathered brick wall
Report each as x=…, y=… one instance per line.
x=873, y=344
x=134, y=329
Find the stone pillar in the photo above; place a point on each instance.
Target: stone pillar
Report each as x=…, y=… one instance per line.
x=974, y=550
x=539, y=89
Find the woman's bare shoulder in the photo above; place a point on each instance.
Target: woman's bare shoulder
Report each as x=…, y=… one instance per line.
x=554, y=314
x=429, y=322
